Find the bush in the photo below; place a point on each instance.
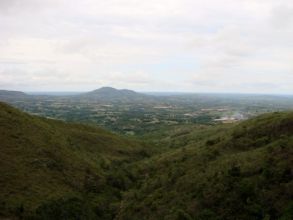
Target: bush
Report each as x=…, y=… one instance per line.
x=72, y=208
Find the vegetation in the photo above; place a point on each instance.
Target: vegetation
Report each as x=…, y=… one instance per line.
x=47, y=166
x=244, y=172
x=135, y=114
x=56, y=170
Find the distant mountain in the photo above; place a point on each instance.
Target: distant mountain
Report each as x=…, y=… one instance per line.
x=6, y=94
x=112, y=94
x=110, y=91
x=50, y=169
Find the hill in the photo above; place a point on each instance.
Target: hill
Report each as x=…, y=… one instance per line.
x=112, y=94
x=56, y=170
x=244, y=172
x=6, y=95
x=52, y=169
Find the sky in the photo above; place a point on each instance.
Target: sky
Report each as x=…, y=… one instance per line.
x=234, y=46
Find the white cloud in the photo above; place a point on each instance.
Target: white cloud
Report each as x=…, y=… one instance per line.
x=223, y=46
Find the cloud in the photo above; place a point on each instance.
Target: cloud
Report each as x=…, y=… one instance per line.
x=282, y=17
x=179, y=45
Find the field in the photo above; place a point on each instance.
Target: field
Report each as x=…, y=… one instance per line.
x=136, y=114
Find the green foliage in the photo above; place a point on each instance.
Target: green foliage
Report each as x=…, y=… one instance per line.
x=65, y=208
x=242, y=173
x=43, y=161
x=55, y=170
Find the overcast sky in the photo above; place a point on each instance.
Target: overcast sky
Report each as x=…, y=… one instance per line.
x=155, y=45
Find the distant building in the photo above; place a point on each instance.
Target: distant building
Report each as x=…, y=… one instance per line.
x=231, y=119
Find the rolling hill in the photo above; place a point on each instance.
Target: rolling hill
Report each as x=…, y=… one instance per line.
x=244, y=173
x=56, y=170
x=47, y=164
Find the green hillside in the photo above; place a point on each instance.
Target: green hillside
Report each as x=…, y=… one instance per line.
x=46, y=163
x=243, y=172
x=56, y=170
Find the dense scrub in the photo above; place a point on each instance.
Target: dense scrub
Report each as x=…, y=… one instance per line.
x=47, y=166
x=243, y=173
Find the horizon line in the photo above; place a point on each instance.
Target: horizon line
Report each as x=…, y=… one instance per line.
x=154, y=92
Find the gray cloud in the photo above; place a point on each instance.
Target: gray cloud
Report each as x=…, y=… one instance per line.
x=282, y=17
x=129, y=43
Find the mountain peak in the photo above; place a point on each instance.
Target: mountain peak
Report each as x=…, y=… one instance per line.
x=110, y=93
x=108, y=89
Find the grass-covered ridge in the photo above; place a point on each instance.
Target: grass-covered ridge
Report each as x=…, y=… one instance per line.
x=45, y=162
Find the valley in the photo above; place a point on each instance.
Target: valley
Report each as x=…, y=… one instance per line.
x=146, y=110
x=222, y=157
x=131, y=113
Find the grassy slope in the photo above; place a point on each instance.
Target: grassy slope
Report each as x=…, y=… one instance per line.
x=44, y=160
x=242, y=173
